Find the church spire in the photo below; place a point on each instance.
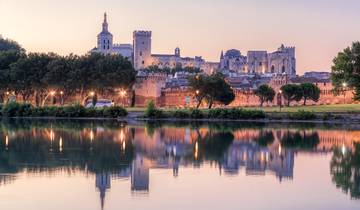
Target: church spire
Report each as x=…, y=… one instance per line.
x=222, y=54
x=105, y=24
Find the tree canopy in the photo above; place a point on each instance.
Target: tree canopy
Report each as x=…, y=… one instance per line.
x=346, y=69
x=212, y=88
x=291, y=92
x=265, y=94
x=310, y=91
x=36, y=74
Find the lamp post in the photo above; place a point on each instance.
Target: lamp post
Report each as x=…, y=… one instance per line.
x=344, y=90
x=122, y=95
x=62, y=98
x=280, y=99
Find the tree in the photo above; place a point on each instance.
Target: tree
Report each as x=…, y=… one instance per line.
x=10, y=52
x=212, y=88
x=265, y=94
x=291, y=92
x=10, y=45
x=346, y=69
x=310, y=91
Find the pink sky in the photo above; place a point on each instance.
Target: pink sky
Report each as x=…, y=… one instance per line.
x=318, y=29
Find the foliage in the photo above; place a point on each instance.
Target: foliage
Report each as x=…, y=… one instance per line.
x=291, y=92
x=181, y=114
x=27, y=110
x=152, y=112
x=345, y=170
x=212, y=88
x=36, y=74
x=196, y=114
x=302, y=115
x=235, y=113
x=346, y=69
x=265, y=94
x=310, y=91
x=300, y=140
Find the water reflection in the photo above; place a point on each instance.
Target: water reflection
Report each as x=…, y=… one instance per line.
x=114, y=150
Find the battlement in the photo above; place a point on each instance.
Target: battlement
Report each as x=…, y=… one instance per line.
x=142, y=33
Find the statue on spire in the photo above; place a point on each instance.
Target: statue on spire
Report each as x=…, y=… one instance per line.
x=105, y=24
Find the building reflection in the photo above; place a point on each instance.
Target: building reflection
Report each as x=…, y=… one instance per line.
x=128, y=153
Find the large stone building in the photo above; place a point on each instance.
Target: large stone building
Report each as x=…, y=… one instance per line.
x=105, y=43
x=143, y=56
x=281, y=61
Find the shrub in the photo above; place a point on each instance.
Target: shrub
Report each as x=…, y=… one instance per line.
x=10, y=109
x=235, y=113
x=214, y=113
x=303, y=115
x=196, y=114
x=75, y=110
x=182, y=114
x=114, y=112
x=152, y=112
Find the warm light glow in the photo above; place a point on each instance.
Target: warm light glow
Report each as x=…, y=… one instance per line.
x=196, y=154
x=343, y=149
x=52, y=93
x=92, y=93
x=6, y=141
x=52, y=135
x=91, y=135
x=197, y=92
x=344, y=84
x=122, y=135
x=122, y=93
x=124, y=145
x=61, y=92
x=280, y=91
x=280, y=149
x=60, y=145
x=7, y=93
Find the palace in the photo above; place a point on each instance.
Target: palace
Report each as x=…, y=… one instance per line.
x=281, y=61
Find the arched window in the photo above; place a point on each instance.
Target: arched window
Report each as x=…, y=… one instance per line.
x=283, y=69
x=272, y=69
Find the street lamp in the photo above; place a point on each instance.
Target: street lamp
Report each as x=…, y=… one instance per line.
x=122, y=95
x=62, y=97
x=280, y=99
x=197, y=92
x=344, y=90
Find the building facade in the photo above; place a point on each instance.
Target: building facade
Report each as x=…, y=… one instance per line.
x=106, y=46
x=282, y=61
x=143, y=56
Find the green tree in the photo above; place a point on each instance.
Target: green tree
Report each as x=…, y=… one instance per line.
x=10, y=52
x=212, y=88
x=345, y=170
x=346, y=69
x=265, y=94
x=291, y=92
x=310, y=91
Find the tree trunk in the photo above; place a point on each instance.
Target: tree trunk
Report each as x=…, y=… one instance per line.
x=288, y=102
x=261, y=103
x=211, y=103
x=305, y=101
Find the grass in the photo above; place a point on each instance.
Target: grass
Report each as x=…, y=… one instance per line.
x=339, y=108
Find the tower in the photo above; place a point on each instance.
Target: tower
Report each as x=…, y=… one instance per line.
x=177, y=52
x=142, y=49
x=105, y=38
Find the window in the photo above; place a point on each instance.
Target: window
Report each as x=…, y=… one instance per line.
x=140, y=53
x=260, y=64
x=272, y=69
x=143, y=62
x=283, y=69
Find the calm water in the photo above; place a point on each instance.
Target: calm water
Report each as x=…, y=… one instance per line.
x=57, y=165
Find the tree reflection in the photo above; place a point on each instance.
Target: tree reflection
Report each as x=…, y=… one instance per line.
x=214, y=145
x=266, y=137
x=300, y=140
x=345, y=170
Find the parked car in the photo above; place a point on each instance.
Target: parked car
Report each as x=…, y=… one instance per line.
x=101, y=103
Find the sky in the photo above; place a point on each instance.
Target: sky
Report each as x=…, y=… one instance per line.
x=319, y=29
